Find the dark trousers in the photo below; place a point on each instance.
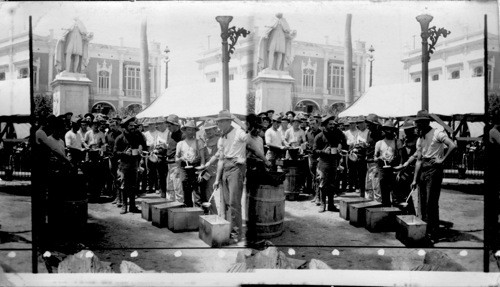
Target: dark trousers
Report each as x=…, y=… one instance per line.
x=327, y=173
x=357, y=175
x=152, y=174
x=431, y=178
x=162, y=168
x=387, y=181
x=128, y=174
x=191, y=188
x=313, y=166
x=233, y=175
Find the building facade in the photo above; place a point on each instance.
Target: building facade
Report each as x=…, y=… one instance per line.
x=318, y=70
x=113, y=70
x=457, y=57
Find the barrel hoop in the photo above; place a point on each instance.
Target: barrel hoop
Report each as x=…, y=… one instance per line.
x=268, y=235
x=261, y=199
x=269, y=224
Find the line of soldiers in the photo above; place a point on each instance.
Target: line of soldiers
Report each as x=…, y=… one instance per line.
x=187, y=167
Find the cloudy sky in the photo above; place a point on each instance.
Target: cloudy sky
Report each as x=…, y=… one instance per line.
x=188, y=27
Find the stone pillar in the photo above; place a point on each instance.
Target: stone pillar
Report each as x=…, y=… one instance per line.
x=348, y=88
x=51, y=69
x=325, y=74
x=71, y=93
x=273, y=90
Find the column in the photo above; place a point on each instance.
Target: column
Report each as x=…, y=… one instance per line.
x=325, y=74
x=120, y=82
x=51, y=67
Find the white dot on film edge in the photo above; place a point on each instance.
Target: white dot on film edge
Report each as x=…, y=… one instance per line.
x=47, y=254
x=291, y=251
x=335, y=252
x=89, y=254
x=421, y=252
x=381, y=252
x=134, y=254
x=221, y=253
x=178, y=253
x=463, y=253
x=11, y=254
x=497, y=254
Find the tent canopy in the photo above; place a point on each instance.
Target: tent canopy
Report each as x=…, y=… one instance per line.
x=198, y=100
x=15, y=97
x=446, y=98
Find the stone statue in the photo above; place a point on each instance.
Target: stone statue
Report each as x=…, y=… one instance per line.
x=276, y=45
x=72, y=50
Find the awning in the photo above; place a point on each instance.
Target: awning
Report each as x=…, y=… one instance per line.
x=198, y=100
x=446, y=98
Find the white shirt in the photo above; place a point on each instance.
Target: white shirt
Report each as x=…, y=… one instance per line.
x=282, y=131
x=92, y=138
x=295, y=138
x=151, y=137
x=188, y=150
x=273, y=137
x=432, y=144
x=362, y=136
x=351, y=137
x=73, y=140
x=234, y=146
x=162, y=137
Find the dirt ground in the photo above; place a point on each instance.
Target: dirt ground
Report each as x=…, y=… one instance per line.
x=307, y=234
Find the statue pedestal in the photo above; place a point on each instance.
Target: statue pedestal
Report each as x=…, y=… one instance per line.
x=71, y=93
x=273, y=91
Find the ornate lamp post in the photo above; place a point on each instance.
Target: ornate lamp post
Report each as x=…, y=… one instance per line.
x=427, y=49
x=166, y=59
x=371, y=59
x=228, y=48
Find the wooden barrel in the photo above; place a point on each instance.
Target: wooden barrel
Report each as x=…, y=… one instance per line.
x=292, y=183
x=266, y=212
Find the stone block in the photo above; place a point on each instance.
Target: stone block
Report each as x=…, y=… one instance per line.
x=184, y=219
x=344, y=205
x=159, y=214
x=214, y=230
x=410, y=229
x=382, y=218
x=147, y=206
x=357, y=212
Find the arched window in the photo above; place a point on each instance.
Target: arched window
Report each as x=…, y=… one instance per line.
x=308, y=73
x=478, y=71
x=103, y=82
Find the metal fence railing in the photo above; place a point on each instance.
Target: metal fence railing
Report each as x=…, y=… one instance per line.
x=15, y=160
x=468, y=162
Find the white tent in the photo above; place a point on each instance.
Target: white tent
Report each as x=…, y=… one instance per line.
x=198, y=100
x=446, y=98
x=15, y=97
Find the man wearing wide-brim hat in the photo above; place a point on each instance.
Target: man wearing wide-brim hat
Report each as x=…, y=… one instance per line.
x=327, y=146
x=207, y=176
x=231, y=171
x=128, y=147
x=110, y=138
x=189, y=154
x=295, y=136
x=274, y=141
x=428, y=176
x=175, y=135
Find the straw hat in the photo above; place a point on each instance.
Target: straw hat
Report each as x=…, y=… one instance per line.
x=190, y=124
x=408, y=124
x=126, y=120
x=209, y=124
x=388, y=124
x=373, y=118
x=327, y=118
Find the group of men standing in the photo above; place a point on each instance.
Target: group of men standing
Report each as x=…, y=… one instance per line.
x=183, y=166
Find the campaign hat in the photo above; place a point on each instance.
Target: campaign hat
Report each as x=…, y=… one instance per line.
x=224, y=115
x=126, y=120
x=422, y=115
x=173, y=119
x=408, y=124
x=327, y=118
